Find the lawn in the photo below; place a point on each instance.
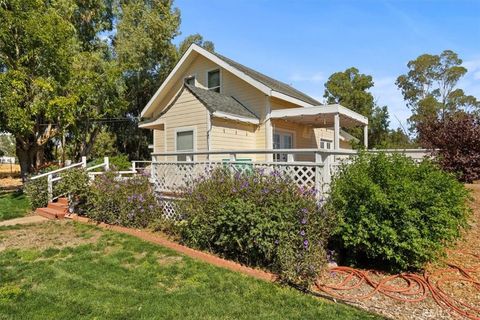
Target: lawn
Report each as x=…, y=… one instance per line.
x=64, y=270
x=13, y=205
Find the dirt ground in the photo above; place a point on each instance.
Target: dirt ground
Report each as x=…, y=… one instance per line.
x=443, y=275
x=51, y=234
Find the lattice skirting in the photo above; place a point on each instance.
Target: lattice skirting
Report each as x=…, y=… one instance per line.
x=170, y=207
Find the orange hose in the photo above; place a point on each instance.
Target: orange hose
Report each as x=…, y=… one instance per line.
x=417, y=287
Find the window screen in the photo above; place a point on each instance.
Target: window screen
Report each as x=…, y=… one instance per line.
x=184, y=143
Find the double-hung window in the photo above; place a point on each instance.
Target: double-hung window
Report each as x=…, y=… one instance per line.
x=184, y=142
x=213, y=80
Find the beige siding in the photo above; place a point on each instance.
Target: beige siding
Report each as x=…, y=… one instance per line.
x=323, y=133
x=249, y=96
x=187, y=112
x=232, y=135
x=276, y=104
x=158, y=140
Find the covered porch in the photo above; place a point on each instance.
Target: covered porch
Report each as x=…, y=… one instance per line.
x=334, y=117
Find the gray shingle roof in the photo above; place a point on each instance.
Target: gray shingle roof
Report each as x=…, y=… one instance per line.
x=270, y=82
x=215, y=101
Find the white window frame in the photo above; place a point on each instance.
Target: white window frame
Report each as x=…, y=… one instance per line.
x=328, y=142
x=186, y=129
x=219, y=76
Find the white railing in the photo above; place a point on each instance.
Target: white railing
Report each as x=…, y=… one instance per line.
x=54, y=176
x=172, y=176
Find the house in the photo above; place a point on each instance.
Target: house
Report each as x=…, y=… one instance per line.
x=211, y=103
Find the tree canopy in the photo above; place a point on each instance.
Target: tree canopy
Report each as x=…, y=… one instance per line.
x=350, y=88
x=70, y=69
x=430, y=88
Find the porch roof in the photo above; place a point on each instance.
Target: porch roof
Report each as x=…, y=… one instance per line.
x=321, y=116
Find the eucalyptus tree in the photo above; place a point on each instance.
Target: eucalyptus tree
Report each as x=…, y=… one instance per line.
x=430, y=88
x=37, y=43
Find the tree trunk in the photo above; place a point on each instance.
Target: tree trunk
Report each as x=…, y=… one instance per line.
x=39, y=156
x=25, y=155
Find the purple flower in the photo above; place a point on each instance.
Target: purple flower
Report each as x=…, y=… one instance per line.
x=265, y=190
x=304, y=221
x=277, y=242
x=305, y=244
x=234, y=190
x=245, y=185
x=304, y=210
x=150, y=207
x=302, y=233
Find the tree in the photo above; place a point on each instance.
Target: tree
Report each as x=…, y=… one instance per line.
x=350, y=89
x=456, y=140
x=198, y=40
x=430, y=88
x=37, y=43
x=97, y=88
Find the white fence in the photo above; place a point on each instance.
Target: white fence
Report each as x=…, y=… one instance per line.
x=55, y=175
x=171, y=177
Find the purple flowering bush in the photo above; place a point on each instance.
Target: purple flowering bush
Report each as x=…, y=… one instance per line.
x=128, y=202
x=258, y=218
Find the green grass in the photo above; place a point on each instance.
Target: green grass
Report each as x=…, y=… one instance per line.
x=121, y=277
x=13, y=205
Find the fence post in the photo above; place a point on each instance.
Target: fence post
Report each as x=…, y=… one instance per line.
x=106, y=163
x=84, y=162
x=50, y=188
x=134, y=166
x=327, y=174
x=318, y=175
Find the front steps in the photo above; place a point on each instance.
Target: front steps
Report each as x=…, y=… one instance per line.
x=54, y=210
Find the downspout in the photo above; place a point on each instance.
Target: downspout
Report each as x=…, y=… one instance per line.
x=209, y=130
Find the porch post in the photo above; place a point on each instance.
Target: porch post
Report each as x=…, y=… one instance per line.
x=336, y=134
x=365, y=136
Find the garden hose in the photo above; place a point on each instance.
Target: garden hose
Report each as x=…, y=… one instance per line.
x=416, y=287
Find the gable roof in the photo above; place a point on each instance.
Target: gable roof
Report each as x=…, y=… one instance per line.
x=270, y=82
x=265, y=84
x=217, y=102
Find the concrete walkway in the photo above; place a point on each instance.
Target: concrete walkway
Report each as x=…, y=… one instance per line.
x=24, y=220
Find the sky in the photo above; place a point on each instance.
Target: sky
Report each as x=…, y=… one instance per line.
x=303, y=42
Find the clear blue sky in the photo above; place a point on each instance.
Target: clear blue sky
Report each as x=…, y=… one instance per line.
x=303, y=42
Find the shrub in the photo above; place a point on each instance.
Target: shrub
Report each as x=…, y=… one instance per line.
x=258, y=219
x=75, y=184
x=37, y=190
x=117, y=163
x=456, y=138
x=128, y=202
x=395, y=214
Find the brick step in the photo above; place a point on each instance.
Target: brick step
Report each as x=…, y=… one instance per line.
x=58, y=206
x=63, y=201
x=50, y=213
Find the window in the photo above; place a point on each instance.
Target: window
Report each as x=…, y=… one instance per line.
x=213, y=80
x=325, y=144
x=282, y=140
x=190, y=80
x=184, y=143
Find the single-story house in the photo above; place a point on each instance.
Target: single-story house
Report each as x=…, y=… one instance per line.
x=211, y=103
